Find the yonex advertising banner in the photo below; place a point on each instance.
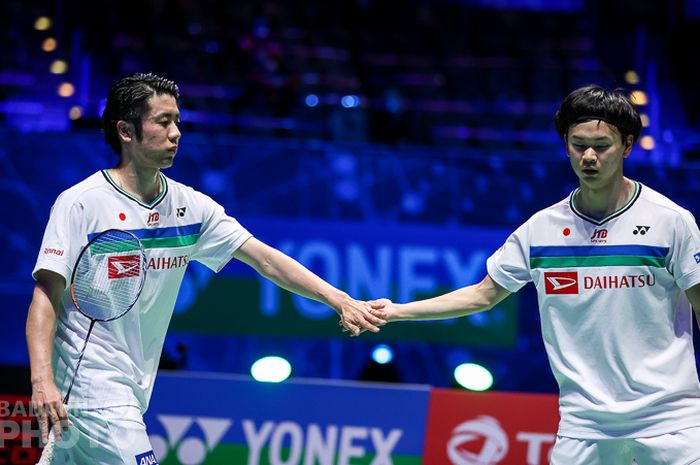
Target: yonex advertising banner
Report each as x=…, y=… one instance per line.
x=369, y=261
x=215, y=420
x=469, y=428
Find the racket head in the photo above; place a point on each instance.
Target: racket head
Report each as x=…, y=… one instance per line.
x=108, y=276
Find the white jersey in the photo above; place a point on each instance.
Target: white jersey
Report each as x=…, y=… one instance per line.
x=121, y=359
x=616, y=323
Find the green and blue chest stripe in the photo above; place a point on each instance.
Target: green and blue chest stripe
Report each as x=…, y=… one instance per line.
x=157, y=238
x=597, y=255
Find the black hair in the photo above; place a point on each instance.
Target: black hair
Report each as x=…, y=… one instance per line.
x=593, y=102
x=127, y=100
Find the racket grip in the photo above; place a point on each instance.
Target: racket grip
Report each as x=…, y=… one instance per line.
x=49, y=451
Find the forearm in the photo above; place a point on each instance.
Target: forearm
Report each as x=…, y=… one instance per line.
x=289, y=274
x=465, y=301
x=40, y=331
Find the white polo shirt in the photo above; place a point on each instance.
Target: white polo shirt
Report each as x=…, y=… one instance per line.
x=122, y=356
x=616, y=323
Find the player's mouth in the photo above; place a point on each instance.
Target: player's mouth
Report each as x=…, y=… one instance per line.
x=590, y=171
x=173, y=150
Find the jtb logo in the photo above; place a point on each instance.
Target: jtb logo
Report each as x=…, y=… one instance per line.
x=599, y=235
x=123, y=267
x=153, y=218
x=561, y=282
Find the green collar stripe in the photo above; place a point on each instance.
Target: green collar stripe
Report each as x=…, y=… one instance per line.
x=608, y=260
x=163, y=190
x=614, y=214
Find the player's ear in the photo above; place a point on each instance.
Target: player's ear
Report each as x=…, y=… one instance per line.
x=125, y=131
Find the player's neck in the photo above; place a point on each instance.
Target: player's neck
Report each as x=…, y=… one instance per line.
x=144, y=184
x=601, y=202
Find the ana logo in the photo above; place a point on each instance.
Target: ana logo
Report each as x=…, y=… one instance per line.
x=481, y=441
x=599, y=235
x=181, y=212
x=153, y=219
x=147, y=458
x=561, y=282
x=641, y=230
x=123, y=267
x=189, y=450
x=697, y=258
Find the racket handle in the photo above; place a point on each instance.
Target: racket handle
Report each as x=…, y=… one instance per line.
x=49, y=451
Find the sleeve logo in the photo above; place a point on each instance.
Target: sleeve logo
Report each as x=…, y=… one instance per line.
x=561, y=282
x=147, y=458
x=697, y=258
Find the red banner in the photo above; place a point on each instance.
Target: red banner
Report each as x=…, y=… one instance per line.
x=19, y=432
x=470, y=428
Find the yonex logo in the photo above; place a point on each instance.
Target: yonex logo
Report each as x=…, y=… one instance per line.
x=697, y=258
x=562, y=282
x=123, y=266
x=181, y=211
x=641, y=230
x=190, y=450
x=484, y=436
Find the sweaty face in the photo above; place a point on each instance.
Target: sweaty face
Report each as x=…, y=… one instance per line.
x=596, y=150
x=160, y=137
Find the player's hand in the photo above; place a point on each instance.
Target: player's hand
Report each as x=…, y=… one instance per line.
x=357, y=316
x=386, y=307
x=50, y=410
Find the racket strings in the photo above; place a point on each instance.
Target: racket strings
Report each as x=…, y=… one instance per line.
x=109, y=276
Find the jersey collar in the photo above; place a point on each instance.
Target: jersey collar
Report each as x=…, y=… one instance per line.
x=150, y=206
x=615, y=214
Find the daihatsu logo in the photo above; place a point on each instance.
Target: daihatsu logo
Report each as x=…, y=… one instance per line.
x=561, y=282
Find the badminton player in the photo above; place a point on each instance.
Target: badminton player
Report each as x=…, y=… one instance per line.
x=616, y=266
x=103, y=419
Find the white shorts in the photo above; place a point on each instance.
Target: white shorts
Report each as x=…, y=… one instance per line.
x=107, y=436
x=679, y=448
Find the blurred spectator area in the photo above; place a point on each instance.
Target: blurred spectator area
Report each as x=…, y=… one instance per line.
x=436, y=74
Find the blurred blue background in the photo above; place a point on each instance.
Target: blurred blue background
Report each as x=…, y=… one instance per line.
x=389, y=145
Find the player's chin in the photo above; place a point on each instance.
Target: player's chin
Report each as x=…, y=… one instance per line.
x=167, y=161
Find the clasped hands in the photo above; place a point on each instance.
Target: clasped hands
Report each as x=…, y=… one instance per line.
x=358, y=316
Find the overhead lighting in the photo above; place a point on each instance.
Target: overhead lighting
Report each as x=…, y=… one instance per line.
x=42, y=23
x=66, y=89
x=49, y=44
x=58, y=67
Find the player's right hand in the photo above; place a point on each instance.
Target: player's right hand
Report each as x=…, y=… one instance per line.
x=48, y=405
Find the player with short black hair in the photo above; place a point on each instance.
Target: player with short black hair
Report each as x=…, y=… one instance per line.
x=176, y=225
x=616, y=266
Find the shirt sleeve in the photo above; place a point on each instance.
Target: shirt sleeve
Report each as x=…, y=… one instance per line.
x=509, y=266
x=684, y=261
x=64, y=237
x=220, y=236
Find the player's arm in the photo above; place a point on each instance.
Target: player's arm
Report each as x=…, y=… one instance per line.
x=291, y=275
x=41, y=329
x=464, y=301
x=694, y=297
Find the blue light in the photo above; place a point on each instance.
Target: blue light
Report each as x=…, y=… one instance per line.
x=349, y=101
x=311, y=100
x=382, y=354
